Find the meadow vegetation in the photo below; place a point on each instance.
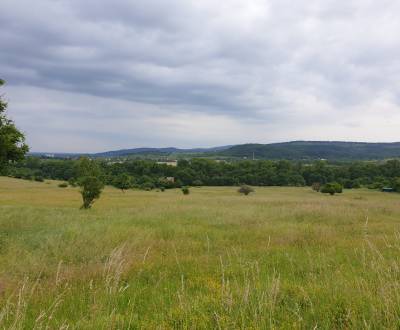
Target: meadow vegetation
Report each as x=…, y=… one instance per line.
x=282, y=257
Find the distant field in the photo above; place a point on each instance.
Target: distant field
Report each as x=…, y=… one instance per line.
x=280, y=258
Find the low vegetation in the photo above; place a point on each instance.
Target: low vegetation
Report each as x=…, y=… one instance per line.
x=284, y=257
x=245, y=190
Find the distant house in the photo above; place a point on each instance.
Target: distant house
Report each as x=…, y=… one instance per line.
x=169, y=162
x=387, y=189
x=170, y=179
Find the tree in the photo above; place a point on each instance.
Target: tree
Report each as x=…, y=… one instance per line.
x=123, y=182
x=245, y=189
x=332, y=188
x=12, y=141
x=89, y=179
x=91, y=188
x=87, y=167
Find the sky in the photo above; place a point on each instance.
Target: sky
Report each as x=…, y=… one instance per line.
x=96, y=75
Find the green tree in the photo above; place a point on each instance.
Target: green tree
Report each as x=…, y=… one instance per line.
x=332, y=188
x=89, y=179
x=12, y=141
x=123, y=182
x=91, y=188
x=87, y=167
x=245, y=189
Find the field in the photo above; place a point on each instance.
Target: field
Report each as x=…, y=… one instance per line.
x=280, y=258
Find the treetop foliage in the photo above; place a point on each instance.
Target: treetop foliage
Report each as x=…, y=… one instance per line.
x=12, y=141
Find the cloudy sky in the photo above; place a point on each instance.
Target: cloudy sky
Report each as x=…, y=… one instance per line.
x=97, y=75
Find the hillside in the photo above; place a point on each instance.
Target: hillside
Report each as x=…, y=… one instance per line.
x=157, y=151
x=316, y=150
x=295, y=150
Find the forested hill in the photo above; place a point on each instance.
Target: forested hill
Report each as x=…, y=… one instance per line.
x=315, y=150
x=296, y=150
x=157, y=151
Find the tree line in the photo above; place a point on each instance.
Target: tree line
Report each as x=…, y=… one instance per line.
x=147, y=175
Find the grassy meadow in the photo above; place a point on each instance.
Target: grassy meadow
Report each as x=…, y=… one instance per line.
x=281, y=258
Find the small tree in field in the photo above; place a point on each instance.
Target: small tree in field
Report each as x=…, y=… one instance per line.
x=332, y=188
x=123, y=182
x=316, y=186
x=91, y=188
x=245, y=190
x=185, y=190
x=90, y=181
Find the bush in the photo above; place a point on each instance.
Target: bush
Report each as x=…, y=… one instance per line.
x=147, y=186
x=197, y=183
x=316, y=186
x=185, y=191
x=72, y=182
x=27, y=177
x=396, y=185
x=91, y=188
x=351, y=184
x=39, y=179
x=162, y=189
x=332, y=188
x=245, y=189
x=63, y=185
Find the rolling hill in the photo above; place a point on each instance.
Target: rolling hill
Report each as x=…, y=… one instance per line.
x=295, y=150
x=315, y=150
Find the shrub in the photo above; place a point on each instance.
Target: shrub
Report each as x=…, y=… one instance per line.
x=147, y=186
x=72, y=182
x=245, y=189
x=396, y=185
x=316, y=186
x=332, y=188
x=27, y=177
x=39, y=179
x=185, y=191
x=91, y=188
x=197, y=183
x=351, y=184
x=63, y=185
x=162, y=189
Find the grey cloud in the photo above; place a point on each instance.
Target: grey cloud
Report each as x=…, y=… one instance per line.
x=257, y=62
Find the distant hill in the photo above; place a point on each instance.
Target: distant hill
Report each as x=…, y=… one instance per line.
x=157, y=151
x=297, y=150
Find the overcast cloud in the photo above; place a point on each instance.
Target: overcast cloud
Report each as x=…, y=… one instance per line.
x=96, y=75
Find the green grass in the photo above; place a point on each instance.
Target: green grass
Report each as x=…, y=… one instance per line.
x=280, y=258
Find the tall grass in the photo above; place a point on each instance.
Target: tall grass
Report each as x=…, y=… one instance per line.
x=281, y=258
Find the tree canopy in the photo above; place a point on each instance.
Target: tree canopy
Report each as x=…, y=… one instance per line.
x=12, y=141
